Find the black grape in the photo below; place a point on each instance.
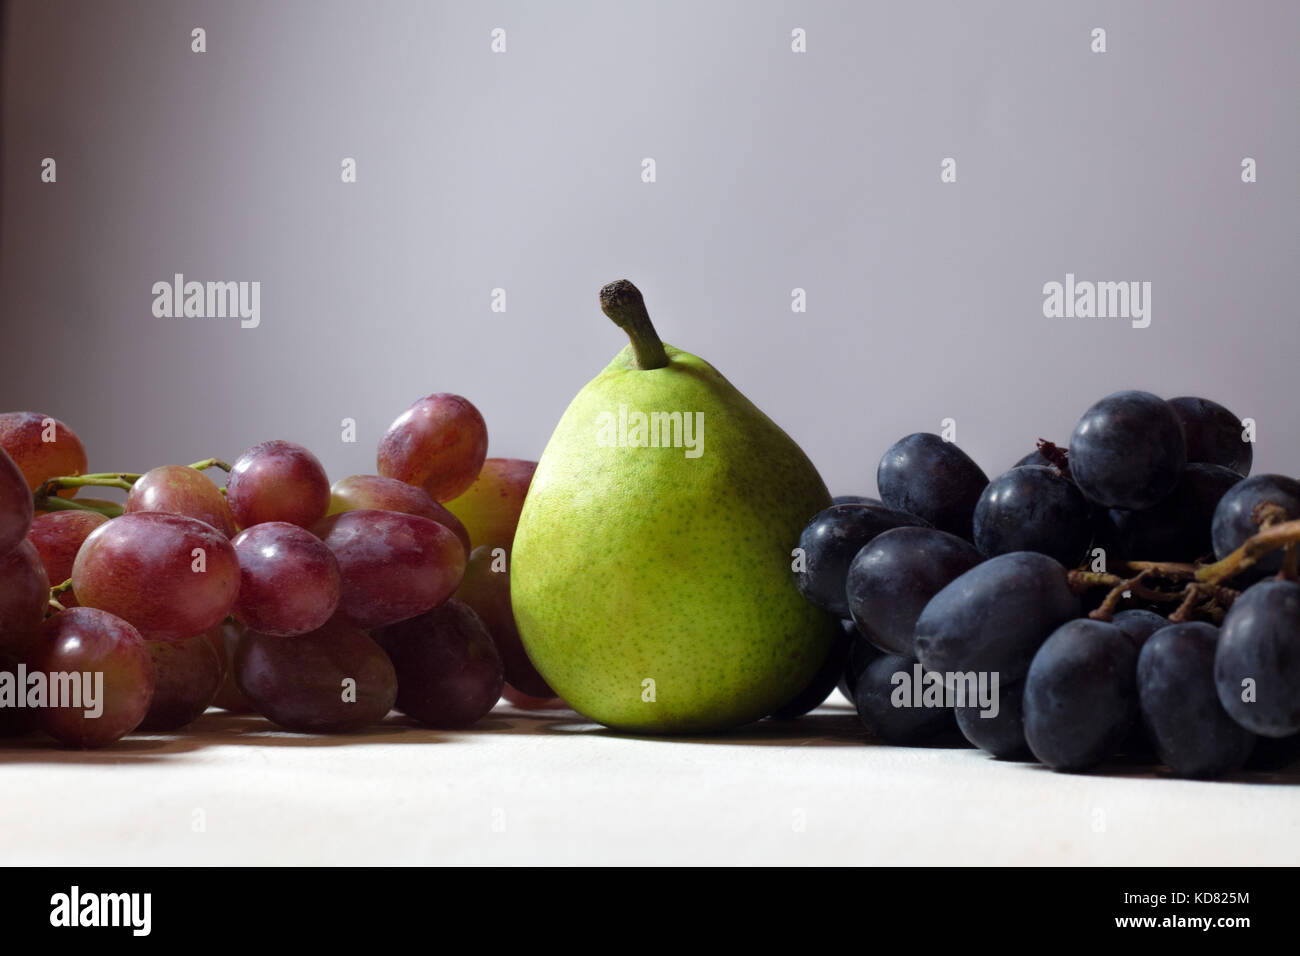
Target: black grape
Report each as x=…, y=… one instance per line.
x=1033, y=509
x=1081, y=695
x=1047, y=455
x=861, y=653
x=924, y=475
x=1139, y=624
x=1235, y=521
x=1178, y=528
x=893, y=578
x=855, y=500
x=829, y=544
x=1192, y=733
x=1127, y=450
x=1213, y=434
x=994, y=617
x=1272, y=754
x=1002, y=734
x=881, y=687
x=1260, y=644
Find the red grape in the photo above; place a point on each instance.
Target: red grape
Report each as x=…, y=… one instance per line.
x=333, y=680
x=524, y=701
x=289, y=579
x=187, y=675
x=376, y=493
x=225, y=640
x=394, y=565
x=58, y=536
x=23, y=435
x=487, y=591
x=491, y=506
x=437, y=444
x=93, y=643
x=278, y=481
x=181, y=490
x=24, y=596
x=15, y=504
x=168, y=575
x=16, y=721
x=448, y=670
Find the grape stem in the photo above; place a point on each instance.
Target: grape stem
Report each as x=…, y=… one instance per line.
x=122, y=480
x=1191, y=597
x=207, y=463
x=1276, y=535
x=44, y=503
x=60, y=588
x=1202, y=586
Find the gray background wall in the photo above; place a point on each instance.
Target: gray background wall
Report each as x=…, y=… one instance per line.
x=522, y=170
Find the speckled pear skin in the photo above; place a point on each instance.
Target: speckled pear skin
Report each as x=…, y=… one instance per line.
x=635, y=564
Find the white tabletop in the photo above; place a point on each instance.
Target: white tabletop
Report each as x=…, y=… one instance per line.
x=548, y=788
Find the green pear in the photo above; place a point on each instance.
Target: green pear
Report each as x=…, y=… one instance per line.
x=652, y=575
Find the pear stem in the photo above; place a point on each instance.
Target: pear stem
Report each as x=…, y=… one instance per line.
x=622, y=302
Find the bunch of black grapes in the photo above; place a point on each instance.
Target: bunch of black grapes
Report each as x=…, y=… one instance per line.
x=952, y=578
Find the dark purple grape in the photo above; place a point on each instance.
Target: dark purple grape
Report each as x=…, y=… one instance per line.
x=926, y=476
x=1213, y=434
x=1139, y=624
x=394, y=565
x=1257, y=661
x=187, y=675
x=1178, y=528
x=1127, y=451
x=289, y=580
x=15, y=504
x=886, y=699
x=856, y=500
x=24, y=597
x=1236, y=518
x=115, y=676
x=1080, y=698
x=823, y=682
x=829, y=544
x=333, y=680
x=995, y=616
x=1000, y=733
x=893, y=578
x=449, y=673
x=1192, y=733
x=1033, y=509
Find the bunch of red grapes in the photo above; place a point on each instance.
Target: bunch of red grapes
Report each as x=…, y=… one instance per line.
x=320, y=607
